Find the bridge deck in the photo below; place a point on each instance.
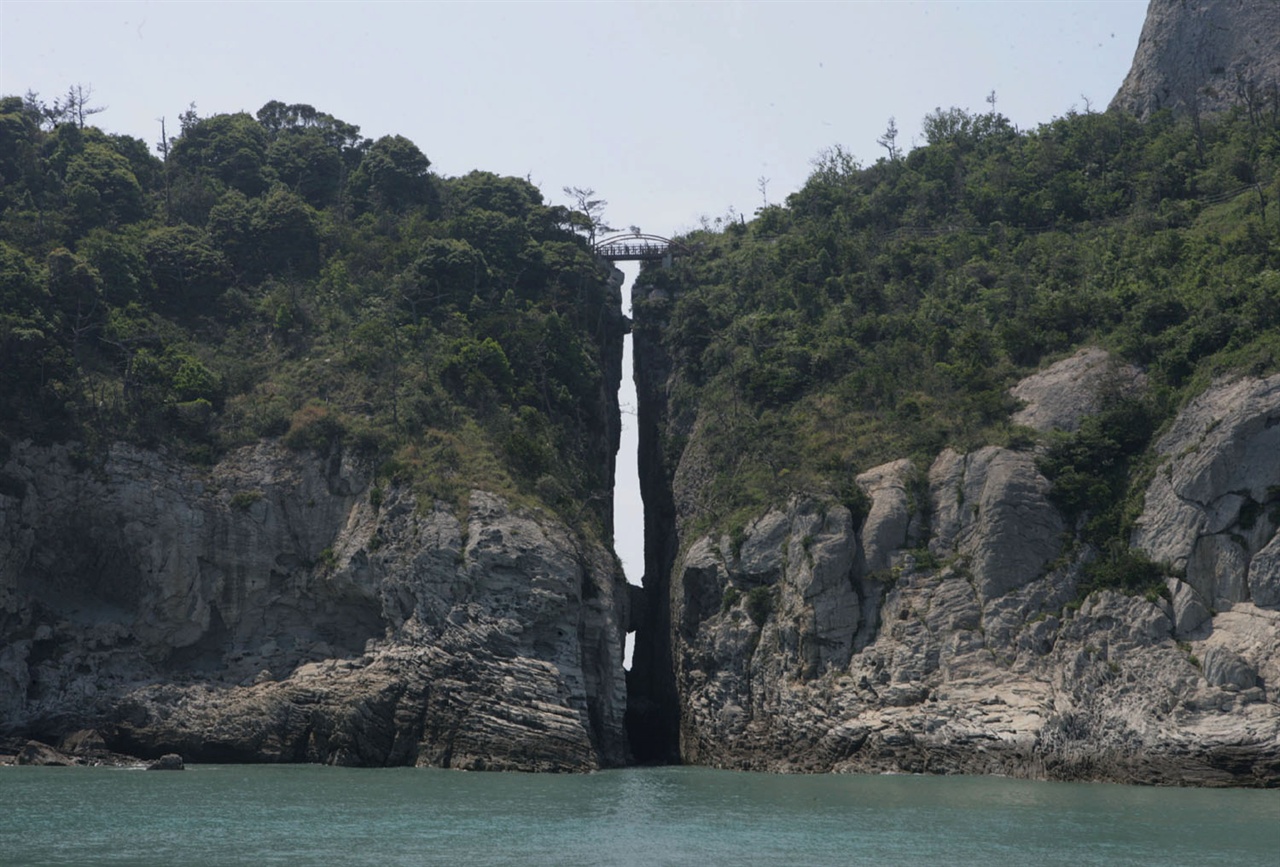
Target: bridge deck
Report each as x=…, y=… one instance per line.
x=634, y=253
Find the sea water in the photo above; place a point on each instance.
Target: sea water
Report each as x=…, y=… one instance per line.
x=299, y=814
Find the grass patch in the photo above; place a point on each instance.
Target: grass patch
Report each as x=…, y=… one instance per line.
x=243, y=500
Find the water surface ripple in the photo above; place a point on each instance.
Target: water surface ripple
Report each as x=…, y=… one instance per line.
x=238, y=814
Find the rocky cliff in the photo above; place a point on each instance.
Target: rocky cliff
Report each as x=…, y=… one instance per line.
x=1204, y=56
x=942, y=626
x=280, y=606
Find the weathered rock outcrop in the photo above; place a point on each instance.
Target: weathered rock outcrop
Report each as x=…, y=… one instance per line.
x=946, y=632
x=1213, y=507
x=1203, y=56
x=271, y=609
x=1061, y=395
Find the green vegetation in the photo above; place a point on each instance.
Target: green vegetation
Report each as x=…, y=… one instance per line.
x=1090, y=468
x=760, y=604
x=1125, y=569
x=884, y=311
x=730, y=598
x=278, y=275
x=243, y=500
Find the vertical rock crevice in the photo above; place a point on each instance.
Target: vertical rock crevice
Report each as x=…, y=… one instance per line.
x=653, y=719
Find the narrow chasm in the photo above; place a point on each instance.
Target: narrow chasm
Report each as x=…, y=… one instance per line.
x=652, y=719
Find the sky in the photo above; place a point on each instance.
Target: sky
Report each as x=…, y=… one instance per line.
x=673, y=112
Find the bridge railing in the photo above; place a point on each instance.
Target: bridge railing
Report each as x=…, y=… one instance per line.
x=638, y=247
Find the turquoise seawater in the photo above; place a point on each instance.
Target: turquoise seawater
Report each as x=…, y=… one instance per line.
x=237, y=814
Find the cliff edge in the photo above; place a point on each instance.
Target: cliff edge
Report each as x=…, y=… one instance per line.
x=947, y=625
x=1202, y=57
x=285, y=607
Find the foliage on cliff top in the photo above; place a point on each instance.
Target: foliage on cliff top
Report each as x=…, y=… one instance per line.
x=278, y=274
x=886, y=310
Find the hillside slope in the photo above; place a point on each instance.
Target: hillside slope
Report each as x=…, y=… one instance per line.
x=306, y=453
x=966, y=462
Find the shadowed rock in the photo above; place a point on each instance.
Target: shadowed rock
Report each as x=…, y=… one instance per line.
x=267, y=610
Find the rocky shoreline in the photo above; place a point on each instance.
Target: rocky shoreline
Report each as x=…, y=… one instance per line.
x=171, y=611
x=83, y=748
x=947, y=631
x=943, y=631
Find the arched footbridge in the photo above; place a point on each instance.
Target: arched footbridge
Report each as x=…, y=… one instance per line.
x=637, y=247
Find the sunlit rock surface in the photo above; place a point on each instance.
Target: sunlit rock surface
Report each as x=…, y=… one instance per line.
x=1203, y=56
x=947, y=632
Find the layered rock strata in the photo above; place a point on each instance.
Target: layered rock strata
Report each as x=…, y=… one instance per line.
x=274, y=608
x=944, y=630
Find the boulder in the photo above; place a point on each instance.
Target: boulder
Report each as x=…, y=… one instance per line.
x=83, y=742
x=167, y=762
x=36, y=753
x=888, y=522
x=1225, y=668
x=1063, y=394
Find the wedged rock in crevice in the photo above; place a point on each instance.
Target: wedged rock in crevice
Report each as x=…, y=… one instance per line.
x=1264, y=575
x=268, y=609
x=1188, y=612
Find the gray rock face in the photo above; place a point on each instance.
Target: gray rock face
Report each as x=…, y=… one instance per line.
x=790, y=585
x=36, y=753
x=1213, y=507
x=1203, y=55
x=1060, y=396
x=943, y=633
x=267, y=610
x=887, y=527
x=992, y=507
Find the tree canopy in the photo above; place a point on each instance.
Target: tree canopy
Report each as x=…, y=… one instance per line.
x=885, y=309
x=276, y=274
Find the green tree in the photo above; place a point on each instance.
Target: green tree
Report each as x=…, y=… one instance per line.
x=393, y=176
x=228, y=148
x=76, y=290
x=188, y=272
x=20, y=290
x=287, y=233
x=307, y=164
x=589, y=216
x=446, y=272
x=102, y=188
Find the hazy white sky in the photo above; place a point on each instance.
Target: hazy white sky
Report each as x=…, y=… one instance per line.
x=671, y=111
